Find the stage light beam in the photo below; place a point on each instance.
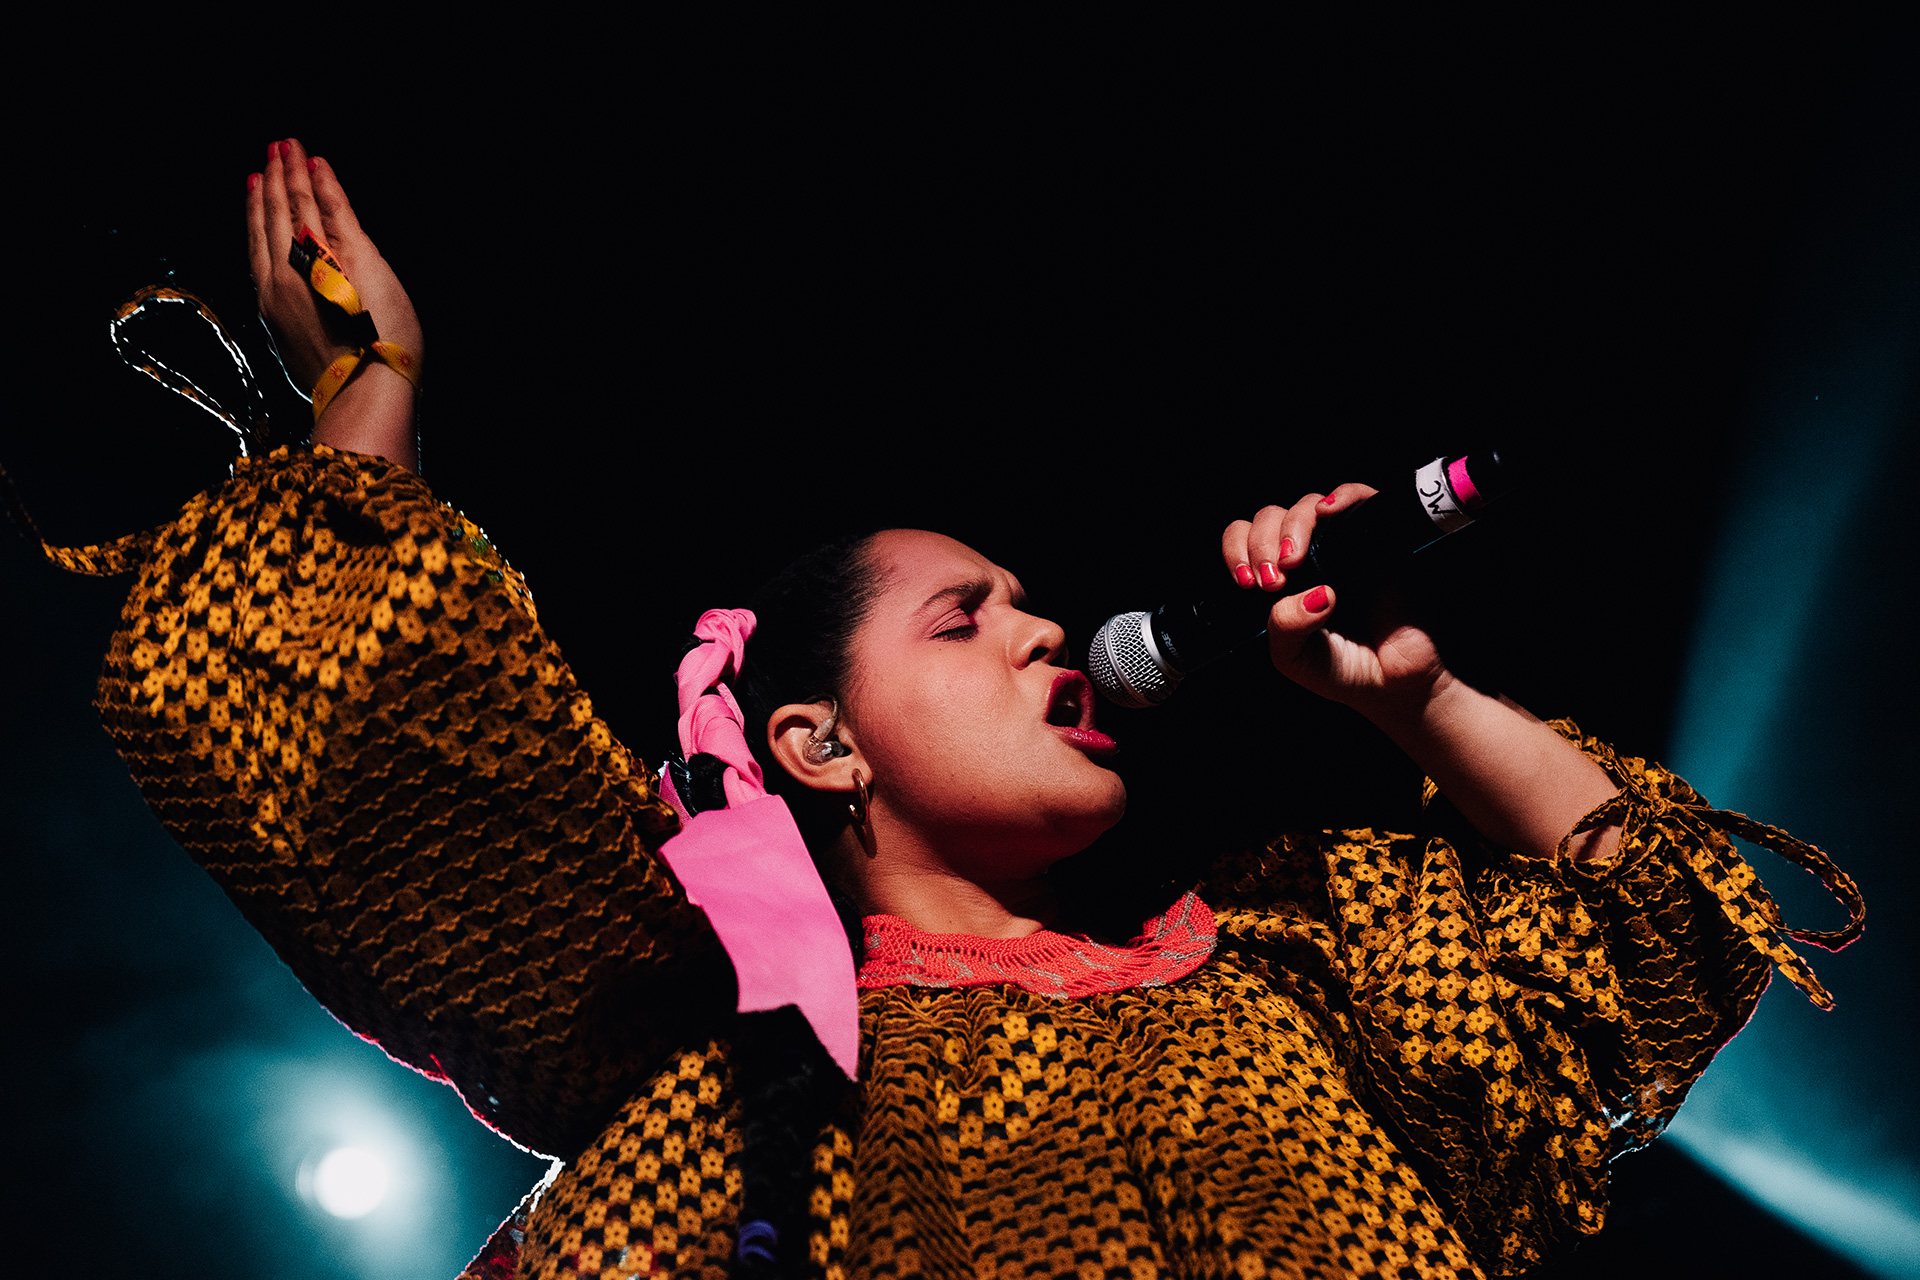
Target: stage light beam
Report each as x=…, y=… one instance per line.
x=1833, y=401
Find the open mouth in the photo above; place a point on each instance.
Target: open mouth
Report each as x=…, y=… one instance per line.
x=1070, y=710
x=1070, y=705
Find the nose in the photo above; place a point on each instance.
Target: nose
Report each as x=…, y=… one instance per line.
x=1040, y=641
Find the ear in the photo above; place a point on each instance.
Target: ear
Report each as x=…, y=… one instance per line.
x=791, y=727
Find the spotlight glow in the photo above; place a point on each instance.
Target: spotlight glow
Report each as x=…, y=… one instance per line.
x=350, y=1181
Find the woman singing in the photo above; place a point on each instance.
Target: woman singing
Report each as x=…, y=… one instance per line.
x=1347, y=1053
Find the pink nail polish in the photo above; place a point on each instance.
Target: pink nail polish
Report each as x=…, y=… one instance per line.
x=313, y=165
x=1315, y=600
x=1327, y=501
x=253, y=180
x=1243, y=575
x=1269, y=575
x=1286, y=547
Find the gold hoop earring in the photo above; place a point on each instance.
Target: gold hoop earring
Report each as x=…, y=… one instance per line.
x=857, y=809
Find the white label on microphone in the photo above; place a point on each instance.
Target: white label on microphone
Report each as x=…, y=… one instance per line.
x=1436, y=495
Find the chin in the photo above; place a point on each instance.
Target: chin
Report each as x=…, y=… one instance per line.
x=1117, y=806
x=1104, y=808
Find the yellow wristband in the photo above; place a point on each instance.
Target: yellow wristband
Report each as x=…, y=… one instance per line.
x=400, y=360
x=311, y=257
x=341, y=371
x=332, y=380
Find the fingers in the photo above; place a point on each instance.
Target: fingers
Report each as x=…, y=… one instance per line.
x=1296, y=622
x=305, y=213
x=336, y=215
x=274, y=206
x=1253, y=550
x=259, y=256
x=1272, y=549
x=1258, y=552
x=1261, y=551
x=1347, y=495
x=273, y=187
x=1293, y=527
x=1303, y=516
x=1307, y=611
x=1233, y=550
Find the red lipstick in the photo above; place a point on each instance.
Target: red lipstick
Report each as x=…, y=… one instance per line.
x=1070, y=713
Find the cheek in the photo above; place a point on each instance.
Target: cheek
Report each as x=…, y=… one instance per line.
x=932, y=724
x=948, y=744
x=953, y=747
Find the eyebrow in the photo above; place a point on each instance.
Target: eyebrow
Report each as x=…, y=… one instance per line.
x=972, y=589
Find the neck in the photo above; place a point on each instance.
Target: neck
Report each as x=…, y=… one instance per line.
x=936, y=899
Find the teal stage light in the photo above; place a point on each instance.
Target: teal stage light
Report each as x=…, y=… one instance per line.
x=1795, y=707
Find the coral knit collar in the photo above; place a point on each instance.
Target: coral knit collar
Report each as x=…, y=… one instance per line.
x=1057, y=965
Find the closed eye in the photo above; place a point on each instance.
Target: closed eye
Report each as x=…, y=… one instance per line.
x=965, y=631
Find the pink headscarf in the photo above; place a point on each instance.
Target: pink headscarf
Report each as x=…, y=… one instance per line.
x=746, y=865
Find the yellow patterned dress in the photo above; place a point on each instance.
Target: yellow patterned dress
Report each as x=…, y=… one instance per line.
x=337, y=697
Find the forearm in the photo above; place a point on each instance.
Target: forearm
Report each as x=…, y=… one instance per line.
x=1519, y=783
x=373, y=414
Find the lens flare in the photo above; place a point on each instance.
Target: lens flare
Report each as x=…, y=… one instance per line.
x=350, y=1181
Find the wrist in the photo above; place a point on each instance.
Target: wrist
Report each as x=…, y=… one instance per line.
x=373, y=414
x=1410, y=711
x=1514, y=778
x=371, y=387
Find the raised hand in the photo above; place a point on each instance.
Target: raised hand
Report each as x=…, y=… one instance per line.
x=374, y=412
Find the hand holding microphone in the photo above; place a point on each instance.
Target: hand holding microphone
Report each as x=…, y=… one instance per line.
x=1138, y=659
x=1345, y=665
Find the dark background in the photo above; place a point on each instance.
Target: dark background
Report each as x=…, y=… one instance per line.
x=699, y=300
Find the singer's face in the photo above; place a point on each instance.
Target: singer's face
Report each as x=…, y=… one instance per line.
x=980, y=738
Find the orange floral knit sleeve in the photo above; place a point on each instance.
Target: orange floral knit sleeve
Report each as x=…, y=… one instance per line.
x=1520, y=1021
x=335, y=694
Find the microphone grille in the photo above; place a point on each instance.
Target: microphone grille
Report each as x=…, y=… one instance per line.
x=1124, y=662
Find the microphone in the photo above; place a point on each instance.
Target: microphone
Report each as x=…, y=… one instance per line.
x=1138, y=659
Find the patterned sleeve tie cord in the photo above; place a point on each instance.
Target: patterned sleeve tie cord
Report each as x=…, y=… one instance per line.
x=1350, y=1053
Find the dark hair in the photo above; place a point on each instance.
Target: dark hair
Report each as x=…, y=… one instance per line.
x=801, y=652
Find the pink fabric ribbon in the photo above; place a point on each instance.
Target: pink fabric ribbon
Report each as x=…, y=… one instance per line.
x=746, y=865
x=711, y=722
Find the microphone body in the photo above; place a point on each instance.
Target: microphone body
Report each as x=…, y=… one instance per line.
x=1138, y=659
